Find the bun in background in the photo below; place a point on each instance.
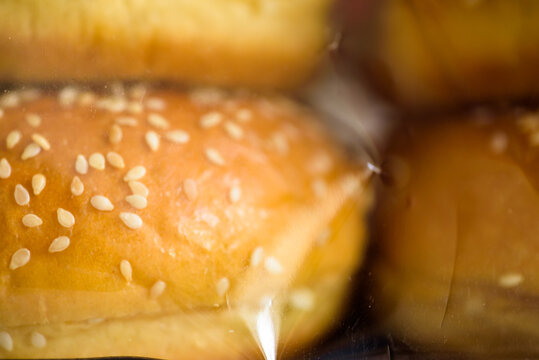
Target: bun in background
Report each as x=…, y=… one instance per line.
x=456, y=231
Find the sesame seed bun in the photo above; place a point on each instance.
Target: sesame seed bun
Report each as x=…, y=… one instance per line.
x=457, y=227
x=160, y=223
x=263, y=44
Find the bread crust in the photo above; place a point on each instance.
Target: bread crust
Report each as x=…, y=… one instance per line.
x=274, y=183
x=428, y=55
x=456, y=229
x=263, y=44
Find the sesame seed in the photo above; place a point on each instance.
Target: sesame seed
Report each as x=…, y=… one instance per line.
x=157, y=289
x=59, y=244
x=87, y=98
x=22, y=197
x=31, y=220
x=77, y=187
x=5, y=169
x=19, y=258
x=115, y=160
x=30, y=151
x=156, y=104
x=6, y=342
x=41, y=141
x=101, y=203
x=302, y=299
x=153, y=140
x=114, y=104
x=137, y=91
x=1, y=113
x=350, y=184
x=10, y=99
x=81, y=165
x=210, y=119
x=510, y=280
x=321, y=163
x=222, y=286
x=126, y=121
x=158, y=121
x=33, y=120
x=256, y=256
x=115, y=134
x=38, y=340
x=13, y=139
x=190, y=189
x=272, y=265
x=67, y=96
x=233, y=130
x=214, y=157
x=138, y=188
x=132, y=221
x=177, y=136
x=38, y=183
x=280, y=143
x=65, y=218
x=137, y=201
x=97, y=161
x=244, y=115
x=234, y=194
x=134, y=107
x=126, y=270
x=135, y=173
x=319, y=187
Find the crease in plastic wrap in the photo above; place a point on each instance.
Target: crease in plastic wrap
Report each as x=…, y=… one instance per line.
x=455, y=226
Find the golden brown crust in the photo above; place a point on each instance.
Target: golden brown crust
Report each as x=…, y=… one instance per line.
x=457, y=229
x=255, y=43
x=261, y=186
x=222, y=333
x=428, y=54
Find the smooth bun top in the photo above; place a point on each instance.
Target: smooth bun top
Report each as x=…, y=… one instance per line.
x=460, y=205
x=456, y=225
x=144, y=202
x=252, y=43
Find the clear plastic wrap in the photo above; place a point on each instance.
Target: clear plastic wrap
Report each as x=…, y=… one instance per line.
x=318, y=224
x=115, y=248
x=429, y=54
x=455, y=269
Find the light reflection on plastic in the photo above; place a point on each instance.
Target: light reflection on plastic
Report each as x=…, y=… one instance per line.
x=263, y=322
x=375, y=169
x=265, y=331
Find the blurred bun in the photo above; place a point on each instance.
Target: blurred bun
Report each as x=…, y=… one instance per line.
x=456, y=225
x=256, y=43
x=160, y=223
x=429, y=54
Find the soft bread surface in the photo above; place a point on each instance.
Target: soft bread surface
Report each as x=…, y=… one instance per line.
x=456, y=226
x=248, y=175
x=304, y=312
x=428, y=53
x=260, y=43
